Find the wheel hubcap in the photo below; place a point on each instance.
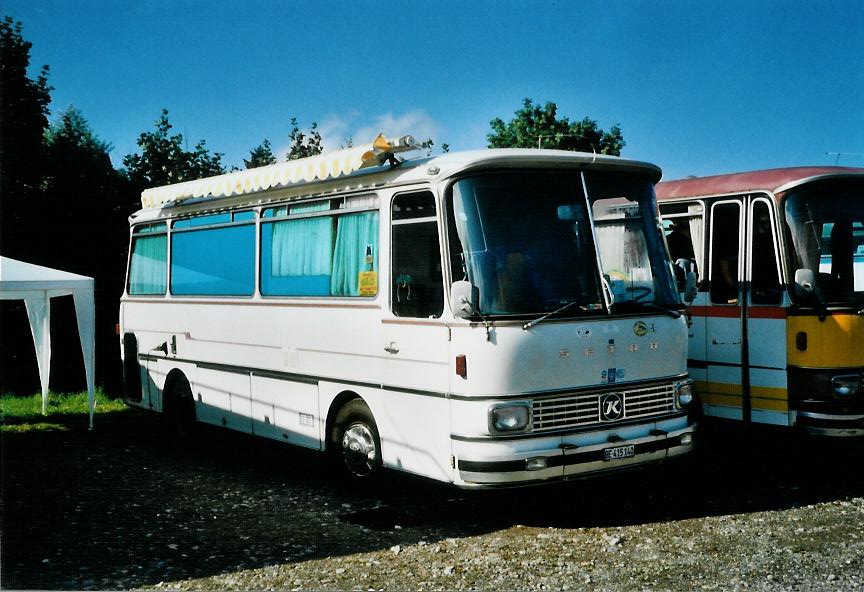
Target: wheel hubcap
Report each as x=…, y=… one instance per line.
x=358, y=449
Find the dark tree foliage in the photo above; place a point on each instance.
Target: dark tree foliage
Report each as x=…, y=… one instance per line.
x=534, y=126
x=303, y=145
x=90, y=202
x=163, y=159
x=23, y=119
x=262, y=155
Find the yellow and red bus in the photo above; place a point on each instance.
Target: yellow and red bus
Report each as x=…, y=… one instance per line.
x=777, y=326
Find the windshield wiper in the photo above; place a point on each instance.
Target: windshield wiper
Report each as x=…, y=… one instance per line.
x=652, y=306
x=558, y=310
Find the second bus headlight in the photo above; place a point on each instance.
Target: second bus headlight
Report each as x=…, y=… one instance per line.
x=509, y=417
x=846, y=386
x=685, y=394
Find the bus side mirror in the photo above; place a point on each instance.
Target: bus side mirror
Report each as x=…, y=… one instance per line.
x=687, y=279
x=464, y=296
x=690, y=287
x=805, y=284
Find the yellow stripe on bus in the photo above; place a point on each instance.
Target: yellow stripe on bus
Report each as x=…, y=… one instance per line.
x=768, y=392
x=730, y=395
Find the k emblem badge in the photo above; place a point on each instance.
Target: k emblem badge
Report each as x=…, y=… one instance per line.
x=611, y=407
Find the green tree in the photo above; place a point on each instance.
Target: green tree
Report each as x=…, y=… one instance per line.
x=163, y=159
x=261, y=155
x=535, y=126
x=81, y=188
x=23, y=119
x=303, y=145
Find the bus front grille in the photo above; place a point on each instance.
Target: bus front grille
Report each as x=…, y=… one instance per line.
x=581, y=410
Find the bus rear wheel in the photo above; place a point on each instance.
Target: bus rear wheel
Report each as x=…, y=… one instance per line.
x=356, y=436
x=179, y=411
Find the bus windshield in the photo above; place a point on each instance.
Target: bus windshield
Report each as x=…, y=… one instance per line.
x=826, y=226
x=524, y=240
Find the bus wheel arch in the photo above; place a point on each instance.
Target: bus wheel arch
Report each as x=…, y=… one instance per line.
x=352, y=435
x=178, y=402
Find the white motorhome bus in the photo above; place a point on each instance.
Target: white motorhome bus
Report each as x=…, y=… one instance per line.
x=482, y=318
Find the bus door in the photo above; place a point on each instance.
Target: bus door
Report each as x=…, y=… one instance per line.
x=415, y=339
x=765, y=318
x=724, y=393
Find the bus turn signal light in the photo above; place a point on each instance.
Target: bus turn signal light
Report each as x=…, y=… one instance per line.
x=461, y=366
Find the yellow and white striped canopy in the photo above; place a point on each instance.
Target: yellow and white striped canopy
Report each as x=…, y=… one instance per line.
x=320, y=167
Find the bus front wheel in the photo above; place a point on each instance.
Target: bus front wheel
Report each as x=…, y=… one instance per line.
x=357, y=439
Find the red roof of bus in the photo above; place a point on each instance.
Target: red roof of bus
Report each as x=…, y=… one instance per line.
x=766, y=180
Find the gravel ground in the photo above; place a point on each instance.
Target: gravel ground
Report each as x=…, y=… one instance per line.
x=129, y=507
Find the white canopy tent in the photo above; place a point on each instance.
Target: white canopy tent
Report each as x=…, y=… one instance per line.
x=36, y=285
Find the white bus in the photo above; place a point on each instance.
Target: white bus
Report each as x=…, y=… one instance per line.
x=482, y=318
x=778, y=322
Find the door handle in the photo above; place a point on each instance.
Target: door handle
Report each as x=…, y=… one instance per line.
x=715, y=342
x=392, y=348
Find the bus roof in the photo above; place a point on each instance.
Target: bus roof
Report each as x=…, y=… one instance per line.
x=331, y=172
x=771, y=180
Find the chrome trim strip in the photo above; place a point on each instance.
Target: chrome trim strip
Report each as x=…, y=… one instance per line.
x=830, y=416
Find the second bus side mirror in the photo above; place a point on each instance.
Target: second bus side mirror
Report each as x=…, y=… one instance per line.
x=464, y=297
x=690, y=286
x=687, y=279
x=805, y=285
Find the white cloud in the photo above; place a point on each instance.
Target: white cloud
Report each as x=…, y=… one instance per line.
x=416, y=123
x=336, y=129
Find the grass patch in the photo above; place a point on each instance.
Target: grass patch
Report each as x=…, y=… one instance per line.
x=24, y=414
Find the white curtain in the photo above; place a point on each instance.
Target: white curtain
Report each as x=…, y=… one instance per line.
x=696, y=235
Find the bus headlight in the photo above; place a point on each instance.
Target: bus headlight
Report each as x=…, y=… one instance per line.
x=509, y=417
x=846, y=386
x=685, y=394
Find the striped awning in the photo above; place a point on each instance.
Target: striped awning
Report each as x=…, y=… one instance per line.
x=323, y=166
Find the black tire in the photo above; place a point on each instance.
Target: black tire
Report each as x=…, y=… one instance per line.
x=178, y=413
x=356, y=441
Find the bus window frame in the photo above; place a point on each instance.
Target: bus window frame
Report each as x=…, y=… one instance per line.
x=739, y=202
x=703, y=246
x=437, y=219
x=136, y=231
x=753, y=200
x=172, y=230
x=338, y=207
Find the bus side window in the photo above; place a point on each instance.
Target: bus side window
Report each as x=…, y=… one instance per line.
x=683, y=225
x=764, y=280
x=417, y=281
x=725, y=241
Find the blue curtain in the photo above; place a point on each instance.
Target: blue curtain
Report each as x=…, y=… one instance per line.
x=147, y=271
x=356, y=235
x=303, y=247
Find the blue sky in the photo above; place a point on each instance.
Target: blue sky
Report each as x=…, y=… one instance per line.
x=698, y=87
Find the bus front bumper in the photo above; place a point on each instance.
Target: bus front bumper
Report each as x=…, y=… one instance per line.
x=495, y=463
x=829, y=424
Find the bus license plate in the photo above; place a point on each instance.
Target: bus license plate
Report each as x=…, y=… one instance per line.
x=619, y=452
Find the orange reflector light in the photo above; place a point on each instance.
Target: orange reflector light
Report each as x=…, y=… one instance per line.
x=461, y=366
